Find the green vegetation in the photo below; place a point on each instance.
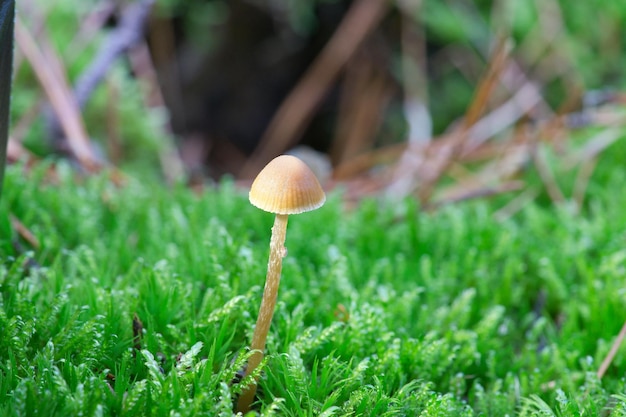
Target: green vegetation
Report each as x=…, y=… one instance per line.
x=382, y=311
x=140, y=299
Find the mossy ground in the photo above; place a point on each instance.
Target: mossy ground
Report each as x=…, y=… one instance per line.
x=383, y=310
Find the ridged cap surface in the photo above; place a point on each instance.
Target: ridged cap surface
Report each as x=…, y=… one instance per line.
x=286, y=186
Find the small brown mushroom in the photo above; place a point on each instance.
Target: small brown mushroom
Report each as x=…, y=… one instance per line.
x=285, y=186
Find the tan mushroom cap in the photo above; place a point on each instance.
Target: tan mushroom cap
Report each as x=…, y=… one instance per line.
x=286, y=186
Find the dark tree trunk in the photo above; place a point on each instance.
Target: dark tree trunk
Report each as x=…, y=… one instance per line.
x=7, y=15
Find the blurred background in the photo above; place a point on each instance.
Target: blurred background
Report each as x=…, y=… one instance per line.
x=445, y=100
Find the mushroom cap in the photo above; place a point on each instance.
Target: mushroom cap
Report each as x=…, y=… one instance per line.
x=286, y=186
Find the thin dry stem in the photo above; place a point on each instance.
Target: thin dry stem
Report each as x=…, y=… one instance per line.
x=547, y=176
x=465, y=192
x=24, y=232
x=364, y=98
x=46, y=66
x=611, y=355
x=516, y=204
x=141, y=62
x=582, y=180
x=297, y=109
x=482, y=94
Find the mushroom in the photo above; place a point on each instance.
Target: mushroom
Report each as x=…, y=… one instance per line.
x=285, y=186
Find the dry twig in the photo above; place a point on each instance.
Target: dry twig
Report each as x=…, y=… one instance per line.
x=297, y=109
x=24, y=232
x=611, y=355
x=45, y=63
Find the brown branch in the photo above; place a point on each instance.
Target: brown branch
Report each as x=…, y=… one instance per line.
x=582, y=180
x=143, y=67
x=127, y=34
x=54, y=82
x=547, y=177
x=24, y=231
x=297, y=109
x=611, y=355
x=476, y=108
x=516, y=204
x=488, y=83
x=364, y=98
x=465, y=191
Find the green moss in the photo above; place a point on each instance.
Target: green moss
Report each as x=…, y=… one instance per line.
x=385, y=310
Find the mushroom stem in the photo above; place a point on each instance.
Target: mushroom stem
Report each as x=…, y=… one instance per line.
x=266, y=311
